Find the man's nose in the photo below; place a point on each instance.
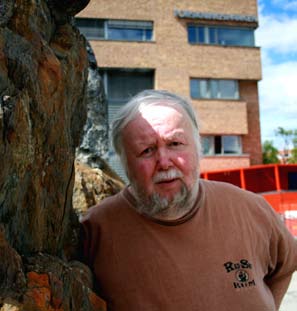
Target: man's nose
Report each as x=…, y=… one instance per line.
x=164, y=161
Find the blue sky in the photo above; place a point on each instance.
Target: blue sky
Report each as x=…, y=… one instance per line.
x=277, y=37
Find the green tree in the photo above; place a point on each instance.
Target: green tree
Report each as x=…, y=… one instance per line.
x=293, y=157
x=269, y=152
x=290, y=138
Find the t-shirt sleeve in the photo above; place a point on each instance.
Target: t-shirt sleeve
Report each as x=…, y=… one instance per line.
x=283, y=257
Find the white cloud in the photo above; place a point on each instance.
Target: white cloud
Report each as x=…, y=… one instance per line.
x=277, y=38
x=277, y=33
x=278, y=98
x=279, y=83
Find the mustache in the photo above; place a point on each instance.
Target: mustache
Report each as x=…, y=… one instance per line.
x=167, y=175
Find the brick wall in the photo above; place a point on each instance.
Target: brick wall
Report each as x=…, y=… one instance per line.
x=175, y=61
x=222, y=117
x=252, y=141
x=216, y=163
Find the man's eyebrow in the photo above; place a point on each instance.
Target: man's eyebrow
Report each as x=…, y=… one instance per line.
x=176, y=134
x=144, y=142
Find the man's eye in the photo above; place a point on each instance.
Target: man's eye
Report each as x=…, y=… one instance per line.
x=175, y=143
x=147, y=151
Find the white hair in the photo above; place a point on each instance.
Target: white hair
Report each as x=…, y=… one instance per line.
x=144, y=99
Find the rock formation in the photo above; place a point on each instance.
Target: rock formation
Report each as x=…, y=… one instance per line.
x=92, y=185
x=94, y=180
x=94, y=142
x=43, y=76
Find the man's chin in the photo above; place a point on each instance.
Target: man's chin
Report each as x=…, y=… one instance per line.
x=159, y=202
x=169, y=199
x=169, y=192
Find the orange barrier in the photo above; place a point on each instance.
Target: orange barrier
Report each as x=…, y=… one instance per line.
x=285, y=203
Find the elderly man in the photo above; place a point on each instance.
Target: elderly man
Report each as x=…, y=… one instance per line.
x=170, y=241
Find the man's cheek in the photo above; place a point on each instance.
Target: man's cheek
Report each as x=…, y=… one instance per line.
x=144, y=169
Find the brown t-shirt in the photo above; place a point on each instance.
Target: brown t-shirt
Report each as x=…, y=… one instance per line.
x=231, y=252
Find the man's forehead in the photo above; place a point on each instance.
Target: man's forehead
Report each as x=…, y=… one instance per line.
x=158, y=121
x=162, y=111
x=163, y=115
x=151, y=134
x=161, y=105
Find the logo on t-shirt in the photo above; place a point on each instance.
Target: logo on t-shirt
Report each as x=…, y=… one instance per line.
x=242, y=273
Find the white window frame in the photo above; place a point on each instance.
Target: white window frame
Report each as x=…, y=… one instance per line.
x=212, y=148
x=208, y=92
x=122, y=24
x=208, y=28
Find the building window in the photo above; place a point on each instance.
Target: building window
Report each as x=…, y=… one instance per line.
x=214, y=89
x=219, y=145
x=233, y=36
x=124, y=30
x=91, y=28
x=121, y=84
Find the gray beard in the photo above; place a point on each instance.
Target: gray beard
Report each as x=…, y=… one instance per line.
x=155, y=204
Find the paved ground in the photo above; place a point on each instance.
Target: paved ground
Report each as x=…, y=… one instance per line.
x=290, y=301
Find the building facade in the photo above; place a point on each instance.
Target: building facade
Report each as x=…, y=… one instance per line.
x=203, y=50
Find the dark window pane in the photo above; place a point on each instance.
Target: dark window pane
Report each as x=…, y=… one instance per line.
x=221, y=35
x=207, y=145
x=212, y=35
x=246, y=37
x=214, y=91
x=192, y=34
x=148, y=34
x=122, y=24
x=91, y=28
x=199, y=88
x=201, y=33
x=231, y=144
x=225, y=37
x=122, y=85
x=221, y=145
x=214, y=88
x=218, y=144
x=228, y=89
x=194, y=88
x=125, y=34
x=204, y=88
x=237, y=37
x=129, y=30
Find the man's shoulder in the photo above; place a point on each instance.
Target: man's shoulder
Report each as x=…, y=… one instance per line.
x=107, y=205
x=237, y=199
x=212, y=185
x=229, y=192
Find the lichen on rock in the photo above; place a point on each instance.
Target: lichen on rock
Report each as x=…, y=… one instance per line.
x=43, y=78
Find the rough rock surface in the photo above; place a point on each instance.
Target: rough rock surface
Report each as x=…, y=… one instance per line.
x=94, y=179
x=43, y=70
x=94, y=142
x=43, y=282
x=43, y=76
x=92, y=185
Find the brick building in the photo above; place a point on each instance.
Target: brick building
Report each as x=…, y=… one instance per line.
x=203, y=50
